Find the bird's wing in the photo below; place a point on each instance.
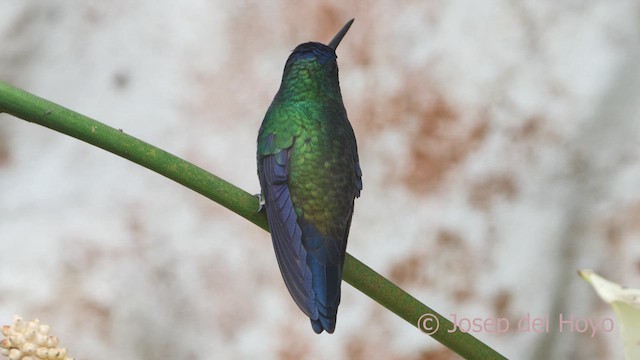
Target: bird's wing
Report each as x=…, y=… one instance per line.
x=285, y=229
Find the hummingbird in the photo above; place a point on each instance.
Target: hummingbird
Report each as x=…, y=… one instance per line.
x=309, y=176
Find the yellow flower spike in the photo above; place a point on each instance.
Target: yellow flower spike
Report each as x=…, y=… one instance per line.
x=52, y=342
x=17, y=339
x=30, y=341
x=8, y=343
x=6, y=330
x=41, y=340
x=53, y=354
x=29, y=349
x=15, y=354
x=41, y=353
x=19, y=325
x=33, y=325
x=30, y=334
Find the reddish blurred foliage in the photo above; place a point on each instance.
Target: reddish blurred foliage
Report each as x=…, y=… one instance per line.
x=293, y=347
x=439, y=144
x=502, y=303
x=447, y=264
x=498, y=186
x=409, y=270
x=438, y=354
x=4, y=152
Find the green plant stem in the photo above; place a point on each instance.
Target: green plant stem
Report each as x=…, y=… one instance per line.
x=37, y=110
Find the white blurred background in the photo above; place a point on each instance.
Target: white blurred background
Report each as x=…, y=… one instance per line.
x=499, y=140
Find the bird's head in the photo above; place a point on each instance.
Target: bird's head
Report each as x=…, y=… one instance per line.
x=312, y=59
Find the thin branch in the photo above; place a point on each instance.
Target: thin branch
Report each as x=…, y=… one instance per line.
x=31, y=108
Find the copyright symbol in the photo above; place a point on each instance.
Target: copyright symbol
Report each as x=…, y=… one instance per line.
x=428, y=323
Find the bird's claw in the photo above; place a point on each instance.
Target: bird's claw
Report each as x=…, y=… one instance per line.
x=261, y=200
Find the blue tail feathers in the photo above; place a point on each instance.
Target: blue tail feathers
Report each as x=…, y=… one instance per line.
x=325, y=260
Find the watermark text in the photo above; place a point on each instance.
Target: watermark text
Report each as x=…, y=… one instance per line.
x=561, y=323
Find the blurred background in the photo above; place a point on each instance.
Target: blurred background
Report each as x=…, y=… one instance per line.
x=499, y=141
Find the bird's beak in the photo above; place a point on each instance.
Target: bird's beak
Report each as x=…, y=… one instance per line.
x=336, y=39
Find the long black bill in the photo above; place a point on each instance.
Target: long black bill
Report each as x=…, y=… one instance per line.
x=336, y=39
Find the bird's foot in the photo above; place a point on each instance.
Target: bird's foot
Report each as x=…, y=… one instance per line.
x=261, y=200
